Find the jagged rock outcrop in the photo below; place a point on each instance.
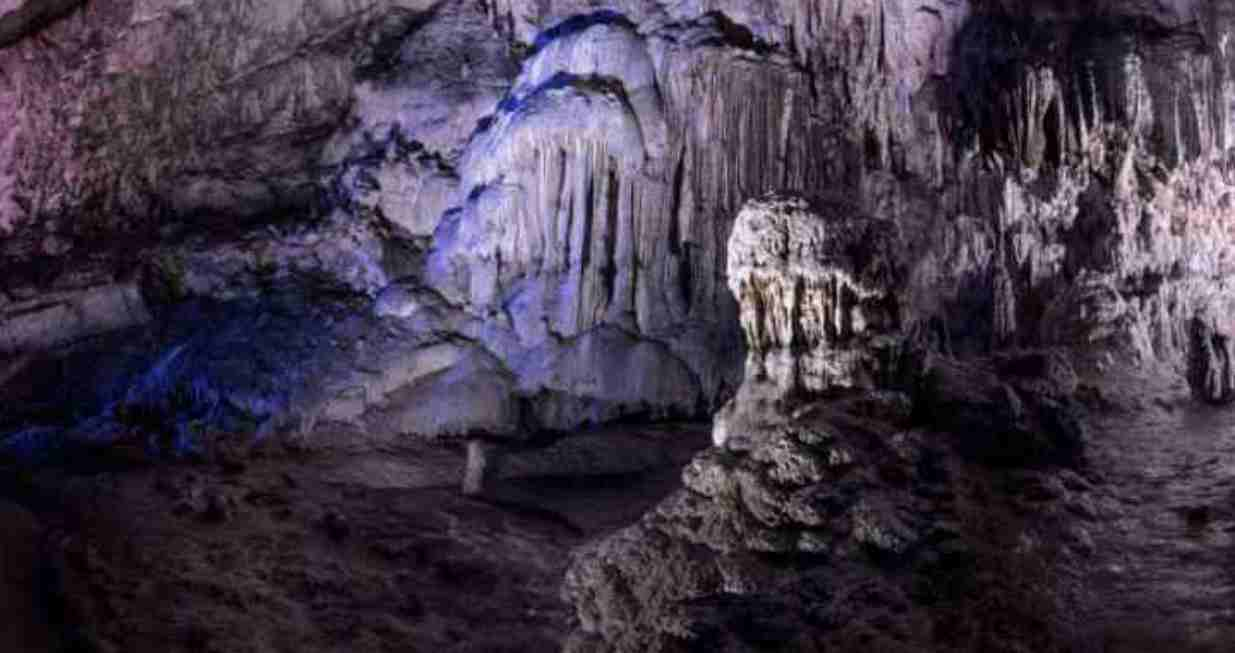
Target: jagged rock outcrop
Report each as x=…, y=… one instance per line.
x=817, y=288
x=838, y=461
x=823, y=304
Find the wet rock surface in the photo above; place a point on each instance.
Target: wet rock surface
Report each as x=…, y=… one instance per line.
x=1160, y=520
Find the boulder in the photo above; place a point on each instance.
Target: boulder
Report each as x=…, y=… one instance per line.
x=21, y=18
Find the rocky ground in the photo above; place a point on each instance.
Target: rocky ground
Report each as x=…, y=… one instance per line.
x=317, y=550
x=911, y=547
x=1161, y=520
x=863, y=521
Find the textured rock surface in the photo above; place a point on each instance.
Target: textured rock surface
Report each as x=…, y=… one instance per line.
x=59, y=318
x=849, y=462
x=836, y=530
x=484, y=220
x=565, y=175
x=1211, y=368
x=331, y=549
x=21, y=18
x=817, y=288
x=822, y=299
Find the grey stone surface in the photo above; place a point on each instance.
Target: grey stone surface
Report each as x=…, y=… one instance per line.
x=59, y=318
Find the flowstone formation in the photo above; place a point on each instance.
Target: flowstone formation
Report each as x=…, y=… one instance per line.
x=550, y=189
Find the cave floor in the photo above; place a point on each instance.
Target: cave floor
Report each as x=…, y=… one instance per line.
x=373, y=548
x=1162, y=575
x=339, y=551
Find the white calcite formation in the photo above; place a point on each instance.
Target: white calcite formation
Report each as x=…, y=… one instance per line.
x=817, y=287
x=822, y=300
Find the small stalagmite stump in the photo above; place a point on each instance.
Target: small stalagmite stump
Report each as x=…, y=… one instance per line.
x=480, y=460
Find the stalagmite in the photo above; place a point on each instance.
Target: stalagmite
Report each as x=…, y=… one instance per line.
x=480, y=461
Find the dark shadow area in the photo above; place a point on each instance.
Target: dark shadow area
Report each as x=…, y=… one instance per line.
x=993, y=80
x=32, y=16
x=580, y=23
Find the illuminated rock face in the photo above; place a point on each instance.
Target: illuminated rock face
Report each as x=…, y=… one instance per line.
x=564, y=180
x=817, y=289
x=822, y=301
